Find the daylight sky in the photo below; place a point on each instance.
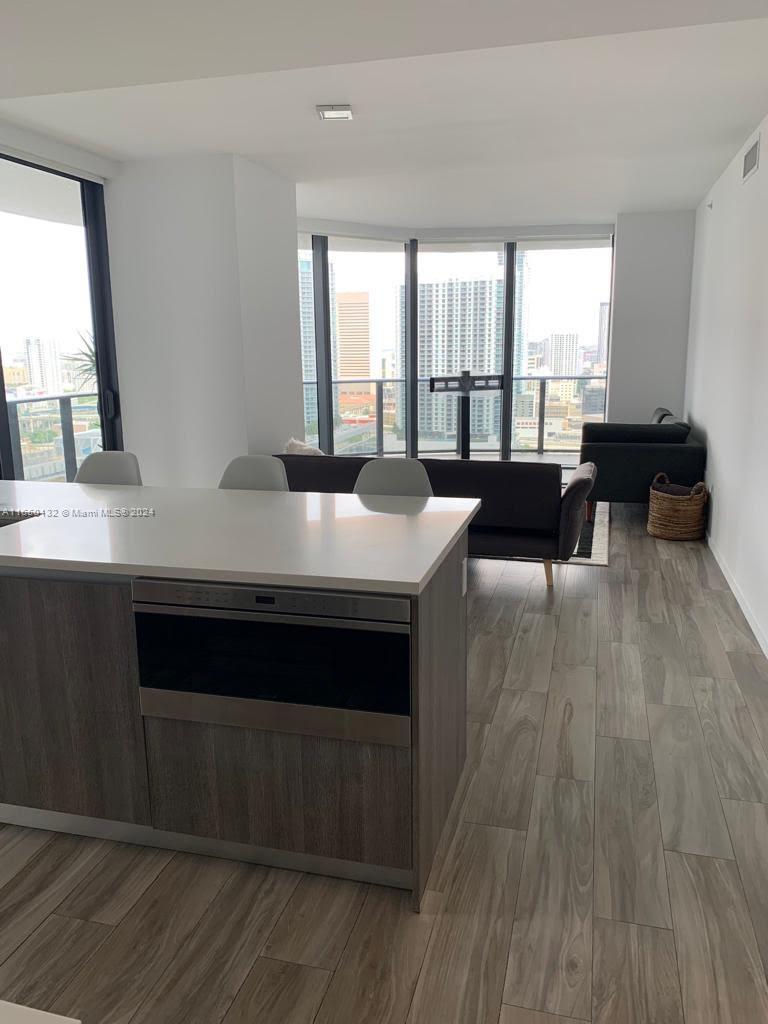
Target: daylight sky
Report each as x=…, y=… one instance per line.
x=43, y=284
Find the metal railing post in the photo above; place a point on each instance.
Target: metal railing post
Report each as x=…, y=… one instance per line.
x=68, y=438
x=379, y=417
x=542, y=409
x=16, y=455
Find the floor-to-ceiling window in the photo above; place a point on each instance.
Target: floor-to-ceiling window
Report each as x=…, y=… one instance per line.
x=561, y=333
x=535, y=314
x=460, y=327
x=365, y=283
x=59, y=401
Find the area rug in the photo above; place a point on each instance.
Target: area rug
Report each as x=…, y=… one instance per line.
x=592, y=548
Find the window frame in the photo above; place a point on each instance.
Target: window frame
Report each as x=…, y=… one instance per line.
x=102, y=318
x=510, y=298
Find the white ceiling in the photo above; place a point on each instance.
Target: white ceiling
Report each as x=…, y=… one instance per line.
x=49, y=46
x=569, y=130
x=566, y=131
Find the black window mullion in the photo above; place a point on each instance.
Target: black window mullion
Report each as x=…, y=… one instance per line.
x=7, y=469
x=95, y=225
x=508, y=349
x=411, y=349
x=323, y=360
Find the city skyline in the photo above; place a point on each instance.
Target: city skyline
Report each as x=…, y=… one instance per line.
x=460, y=326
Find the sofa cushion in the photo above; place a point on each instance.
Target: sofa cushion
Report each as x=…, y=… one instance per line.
x=675, y=432
x=514, y=495
x=334, y=474
x=659, y=414
x=673, y=421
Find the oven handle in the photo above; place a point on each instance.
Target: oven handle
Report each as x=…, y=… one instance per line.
x=291, y=620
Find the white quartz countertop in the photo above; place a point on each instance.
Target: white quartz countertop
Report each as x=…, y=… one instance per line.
x=336, y=541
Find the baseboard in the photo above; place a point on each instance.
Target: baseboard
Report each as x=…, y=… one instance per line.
x=145, y=835
x=760, y=635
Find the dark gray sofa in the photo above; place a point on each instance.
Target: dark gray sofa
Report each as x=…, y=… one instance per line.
x=524, y=512
x=629, y=455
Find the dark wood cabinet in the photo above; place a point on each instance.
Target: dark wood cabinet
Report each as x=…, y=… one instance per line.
x=71, y=734
x=308, y=794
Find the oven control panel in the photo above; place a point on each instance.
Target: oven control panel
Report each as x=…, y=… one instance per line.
x=282, y=600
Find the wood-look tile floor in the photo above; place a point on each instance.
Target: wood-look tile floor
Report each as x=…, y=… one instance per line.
x=606, y=858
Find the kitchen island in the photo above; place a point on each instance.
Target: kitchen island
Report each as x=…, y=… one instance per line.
x=274, y=677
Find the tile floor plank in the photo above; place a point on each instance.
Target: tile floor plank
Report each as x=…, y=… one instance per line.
x=109, y=892
x=315, y=925
x=487, y=661
x=204, y=977
x=530, y=664
x=568, y=737
x=38, y=888
x=702, y=646
x=17, y=847
x=517, y=1015
x=620, y=693
x=751, y=671
x=43, y=965
x=477, y=733
x=112, y=985
x=735, y=632
x=279, y=993
x=691, y=816
x=576, y=642
x=721, y=975
x=748, y=824
x=738, y=759
x=502, y=790
x=630, y=877
x=377, y=975
x=665, y=673
x=462, y=978
x=617, y=610
x=550, y=958
x=635, y=975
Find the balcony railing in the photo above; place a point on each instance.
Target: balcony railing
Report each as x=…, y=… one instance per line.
x=44, y=441
x=547, y=414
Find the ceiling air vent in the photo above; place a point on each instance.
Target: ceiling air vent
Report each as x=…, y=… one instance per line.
x=751, y=159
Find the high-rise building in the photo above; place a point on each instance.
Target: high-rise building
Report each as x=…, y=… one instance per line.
x=603, y=331
x=307, y=318
x=307, y=334
x=43, y=366
x=461, y=327
x=564, y=354
x=353, y=334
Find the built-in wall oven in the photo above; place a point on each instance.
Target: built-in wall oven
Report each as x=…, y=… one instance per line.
x=325, y=663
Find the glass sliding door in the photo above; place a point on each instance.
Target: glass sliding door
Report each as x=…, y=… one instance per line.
x=461, y=327
x=49, y=352
x=366, y=283
x=561, y=336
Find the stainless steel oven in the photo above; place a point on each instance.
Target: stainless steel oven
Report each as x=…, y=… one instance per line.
x=323, y=662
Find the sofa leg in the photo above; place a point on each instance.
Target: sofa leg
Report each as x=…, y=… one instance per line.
x=590, y=511
x=548, y=572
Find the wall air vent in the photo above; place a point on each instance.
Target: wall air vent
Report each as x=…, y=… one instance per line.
x=751, y=160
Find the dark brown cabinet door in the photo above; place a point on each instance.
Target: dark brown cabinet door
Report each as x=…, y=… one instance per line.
x=71, y=735
x=307, y=794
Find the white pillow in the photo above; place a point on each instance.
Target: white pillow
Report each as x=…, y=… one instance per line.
x=296, y=447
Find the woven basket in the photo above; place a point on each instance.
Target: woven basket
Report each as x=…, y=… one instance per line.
x=676, y=512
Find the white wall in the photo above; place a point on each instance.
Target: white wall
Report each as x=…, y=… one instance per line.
x=206, y=313
x=727, y=384
x=265, y=219
x=651, y=301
